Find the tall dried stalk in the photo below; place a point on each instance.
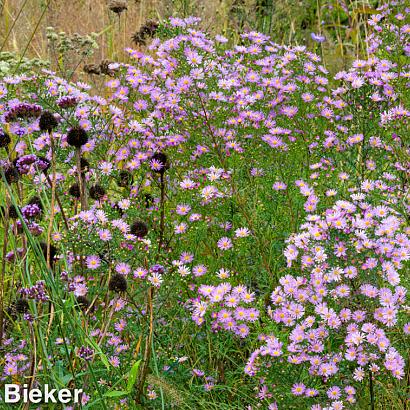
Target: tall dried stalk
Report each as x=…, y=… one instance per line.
x=148, y=346
x=3, y=265
x=150, y=299
x=50, y=224
x=81, y=181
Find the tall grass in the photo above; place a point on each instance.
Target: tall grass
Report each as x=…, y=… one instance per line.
x=23, y=22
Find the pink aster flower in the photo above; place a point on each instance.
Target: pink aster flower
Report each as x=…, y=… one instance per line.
x=140, y=273
x=123, y=268
x=105, y=235
x=242, y=232
x=242, y=331
x=298, y=389
x=182, y=209
x=180, y=228
x=80, y=289
x=114, y=361
x=93, y=262
x=225, y=243
x=279, y=186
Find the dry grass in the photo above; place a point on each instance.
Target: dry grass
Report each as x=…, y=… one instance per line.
x=24, y=22
x=86, y=16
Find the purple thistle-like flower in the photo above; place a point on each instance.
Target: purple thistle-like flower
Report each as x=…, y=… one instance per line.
x=43, y=164
x=31, y=211
x=85, y=353
x=36, y=292
x=67, y=102
x=24, y=163
x=23, y=111
x=157, y=269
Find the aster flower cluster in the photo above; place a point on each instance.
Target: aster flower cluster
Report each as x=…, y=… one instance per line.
x=228, y=308
x=350, y=293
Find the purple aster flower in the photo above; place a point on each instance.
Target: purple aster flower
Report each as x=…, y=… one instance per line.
x=225, y=243
x=93, y=262
x=298, y=389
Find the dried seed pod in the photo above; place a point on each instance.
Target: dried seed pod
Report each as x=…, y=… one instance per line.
x=118, y=6
x=97, y=192
x=47, y=121
x=139, y=229
x=117, y=283
x=4, y=139
x=22, y=306
x=92, y=69
x=77, y=137
x=74, y=191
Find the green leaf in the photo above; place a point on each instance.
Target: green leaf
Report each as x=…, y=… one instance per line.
x=100, y=352
x=66, y=379
x=116, y=393
x=133, y=375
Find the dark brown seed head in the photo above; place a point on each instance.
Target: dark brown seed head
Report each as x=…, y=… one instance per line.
x=118, y=6
x=139, y=229
x=11, y=174
x=149, y=28
x=13, y=214
x=83, y=303
x=74, y=191
x=138, y=39
x=97, y=192
x=47, y=121
x=92, y=69
x=4, y=139
x=117, y=283
x=77, y=137
x=85, y=165
x=105, y=68
x=22, y=306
